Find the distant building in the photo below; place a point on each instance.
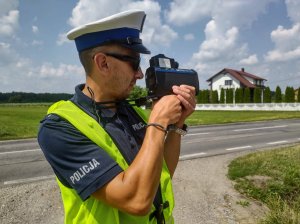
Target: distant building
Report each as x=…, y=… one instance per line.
x=233, y=79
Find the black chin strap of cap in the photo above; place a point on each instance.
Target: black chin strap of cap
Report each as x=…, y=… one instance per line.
x=134, y=102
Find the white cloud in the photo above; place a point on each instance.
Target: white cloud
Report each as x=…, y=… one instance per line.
x=9, y=23
x=154, y=32
x=7, y=55
x=24, y=76
x=62, y=38
x=189, y=36
x=287, y=44
x=47, y=70
x=251, y=60
x=222, y=46
x=90, y=10
x=218, y=46
x=239, y=13
x=9, y=17
x=283, y=61
x=35, y=29
x=37, y=43
x=276, y=55
x=189, y=11
x=233, y=12
x=6, y=6
x=293, y=7
x=51, y=78
x=286, y=39
x=21, y=74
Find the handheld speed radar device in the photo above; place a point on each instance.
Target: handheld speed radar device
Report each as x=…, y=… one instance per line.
x=164, y=73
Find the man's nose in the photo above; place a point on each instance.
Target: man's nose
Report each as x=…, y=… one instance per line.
x=139, y=73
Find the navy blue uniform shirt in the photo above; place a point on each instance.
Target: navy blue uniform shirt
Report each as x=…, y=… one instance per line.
x=77, y=161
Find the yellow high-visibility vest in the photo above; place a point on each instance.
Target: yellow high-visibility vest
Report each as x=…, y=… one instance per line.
x=92, y=211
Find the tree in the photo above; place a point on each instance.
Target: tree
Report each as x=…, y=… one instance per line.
x=214, y=96
x=222, y=96
x=239, y=96
x=203, y=96
x=292, y=95
x=137, y=92
x=15, y=99
x=206, y=96
x=289, y=95
x=298, y=95
x=267, y=95
x=229, y=95
x=200, y=96
x=278, y=95
x=257, y=95
x=247, y=95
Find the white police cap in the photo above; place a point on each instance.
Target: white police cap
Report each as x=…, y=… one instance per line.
x=123, y=28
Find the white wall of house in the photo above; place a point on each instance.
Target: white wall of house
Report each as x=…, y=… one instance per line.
x=252, y=81
x=218, y=82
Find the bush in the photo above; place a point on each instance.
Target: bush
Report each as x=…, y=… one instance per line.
x=239, y=95
x=222, y=96
x=289, y=95
x=214, y=97
x=257, y=95
x=247, y=97
x=278, y=95
x=137, y=92
x=267, y=95
x=229, y=95
x=203, y=96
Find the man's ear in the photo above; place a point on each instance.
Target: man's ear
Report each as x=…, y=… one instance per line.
x=100, y=61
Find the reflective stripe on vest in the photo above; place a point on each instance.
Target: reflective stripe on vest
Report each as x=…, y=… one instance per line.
x=92, y=210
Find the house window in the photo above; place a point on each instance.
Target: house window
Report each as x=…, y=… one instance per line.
x=228, y=82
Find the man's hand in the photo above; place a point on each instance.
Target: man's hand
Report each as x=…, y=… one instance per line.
x=186, y=95
x=167, y=110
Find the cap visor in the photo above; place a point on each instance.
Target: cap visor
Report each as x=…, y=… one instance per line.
x=139, y=48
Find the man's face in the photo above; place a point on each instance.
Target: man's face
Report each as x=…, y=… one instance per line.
x=125, y=71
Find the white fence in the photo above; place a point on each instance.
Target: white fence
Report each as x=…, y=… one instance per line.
x=251, y=106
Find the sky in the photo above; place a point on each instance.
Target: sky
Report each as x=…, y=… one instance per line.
x=261, y=36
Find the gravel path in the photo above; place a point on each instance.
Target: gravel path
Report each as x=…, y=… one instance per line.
x=203, y=194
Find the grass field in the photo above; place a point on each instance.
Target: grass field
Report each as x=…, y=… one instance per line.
x=272, y=177
x=22, y=120
x=222, y=117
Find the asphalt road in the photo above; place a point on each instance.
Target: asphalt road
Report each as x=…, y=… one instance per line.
x=221, y=139
x=22, y=161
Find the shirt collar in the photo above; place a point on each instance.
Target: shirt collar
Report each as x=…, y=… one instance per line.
x=83, y=100
x=87, y=103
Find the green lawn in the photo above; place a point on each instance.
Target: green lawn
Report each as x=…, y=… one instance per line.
x=222, y=117
x=272, y=177
x=22, y=120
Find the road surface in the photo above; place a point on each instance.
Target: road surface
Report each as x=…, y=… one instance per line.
x=22, y=161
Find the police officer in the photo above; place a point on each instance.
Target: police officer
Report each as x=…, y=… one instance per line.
x=112, y=163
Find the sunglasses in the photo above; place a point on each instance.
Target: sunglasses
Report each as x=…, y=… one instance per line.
x=133, y=61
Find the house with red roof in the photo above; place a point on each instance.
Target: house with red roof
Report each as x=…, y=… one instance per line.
x=233, y=79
